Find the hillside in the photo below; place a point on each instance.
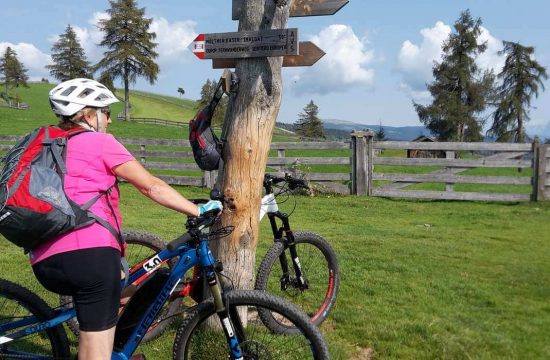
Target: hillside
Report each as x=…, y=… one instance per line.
x=144, y=105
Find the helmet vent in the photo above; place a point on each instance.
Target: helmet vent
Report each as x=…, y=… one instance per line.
x=68, y=91
x=85, y=93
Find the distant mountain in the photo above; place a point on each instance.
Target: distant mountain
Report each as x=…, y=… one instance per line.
x=344, y=127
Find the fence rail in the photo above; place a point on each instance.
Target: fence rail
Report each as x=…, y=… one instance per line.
x=155, y=121
x=172, y=160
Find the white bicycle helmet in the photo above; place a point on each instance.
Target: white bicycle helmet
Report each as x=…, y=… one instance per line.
x=71, y=96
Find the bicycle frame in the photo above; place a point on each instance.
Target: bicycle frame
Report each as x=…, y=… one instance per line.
x=189, y=256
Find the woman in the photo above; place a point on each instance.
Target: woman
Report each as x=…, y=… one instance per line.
x=85, y=263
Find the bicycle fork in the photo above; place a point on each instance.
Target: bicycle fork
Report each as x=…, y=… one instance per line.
x=229, y=317
x=289, y=244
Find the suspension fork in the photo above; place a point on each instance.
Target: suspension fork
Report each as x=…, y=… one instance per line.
x=230, y=320
x=290, y=244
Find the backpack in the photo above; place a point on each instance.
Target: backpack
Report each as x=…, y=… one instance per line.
x=206, y=146
x=33, y=204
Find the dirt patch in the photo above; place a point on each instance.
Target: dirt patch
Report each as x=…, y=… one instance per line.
x=364, y=354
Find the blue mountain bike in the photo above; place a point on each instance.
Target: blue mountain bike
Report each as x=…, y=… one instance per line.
x=228, y=325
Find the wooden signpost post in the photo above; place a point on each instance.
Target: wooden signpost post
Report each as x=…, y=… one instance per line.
x=301, y=7
x=257, y=53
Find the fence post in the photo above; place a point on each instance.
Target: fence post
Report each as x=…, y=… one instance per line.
x=449, y=155
x=539, y=170
x=142, y=153
x=361, y=163
x=281, y=154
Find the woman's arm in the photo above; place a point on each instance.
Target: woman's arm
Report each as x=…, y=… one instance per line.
x=155, y=188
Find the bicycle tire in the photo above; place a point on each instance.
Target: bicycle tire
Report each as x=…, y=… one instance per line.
x=320, y=266
x=140, y=244
x=16, y=302
x=210, y=343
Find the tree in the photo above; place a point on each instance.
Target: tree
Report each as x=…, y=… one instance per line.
x=130, y=46
x=380, y=134
x=13, y=72
x=249, y=122
x=106, y=79
x=181, y=91
x=460, y=89
x=309, y=124
x=207, y=92
x=69, y=59
x=520, y=80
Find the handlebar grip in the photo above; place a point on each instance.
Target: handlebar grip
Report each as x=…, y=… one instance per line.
x=174, y=244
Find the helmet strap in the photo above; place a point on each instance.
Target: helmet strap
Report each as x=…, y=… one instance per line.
x=100, y=125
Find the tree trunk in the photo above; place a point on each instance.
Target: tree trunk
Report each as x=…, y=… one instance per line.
x=126, y=95
x=250, y=118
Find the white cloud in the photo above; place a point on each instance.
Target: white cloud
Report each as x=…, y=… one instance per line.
x=173, y=38
x=344, y=66
x=31, y=57
x=415, y=62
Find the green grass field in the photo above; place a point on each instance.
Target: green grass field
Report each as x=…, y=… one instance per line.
x=420, y=279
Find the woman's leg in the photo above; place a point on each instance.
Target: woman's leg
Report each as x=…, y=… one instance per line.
x=96, y=345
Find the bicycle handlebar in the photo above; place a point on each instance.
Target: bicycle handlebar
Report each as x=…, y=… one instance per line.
x=292, y=182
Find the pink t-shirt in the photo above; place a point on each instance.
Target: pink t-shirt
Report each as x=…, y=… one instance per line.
x=91, y=156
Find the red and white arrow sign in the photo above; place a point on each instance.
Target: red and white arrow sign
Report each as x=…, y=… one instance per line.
x=198, y=46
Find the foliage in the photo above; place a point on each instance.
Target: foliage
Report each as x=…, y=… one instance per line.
x=380, y=134
x=520, y=80
x=130, y=47
x=309, y=124
x=460, y=88
x=106, y=79
x=69, y=58
x=14, y=74
x=207, y=93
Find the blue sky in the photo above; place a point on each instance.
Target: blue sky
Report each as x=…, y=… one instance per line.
x=379, y=53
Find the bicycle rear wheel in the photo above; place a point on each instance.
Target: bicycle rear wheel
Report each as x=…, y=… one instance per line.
x=140, y=245
x=18, y=303
x=320, y=269
x=196, y=338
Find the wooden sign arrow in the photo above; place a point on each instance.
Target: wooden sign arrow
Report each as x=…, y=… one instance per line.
x=245, y=44
x=309, y=55
x=301, y=7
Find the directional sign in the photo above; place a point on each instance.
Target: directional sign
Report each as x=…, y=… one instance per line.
x=246, y=44
x=309, y=54
x=301, y=7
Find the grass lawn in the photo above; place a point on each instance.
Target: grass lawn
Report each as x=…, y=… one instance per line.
x=420, y=279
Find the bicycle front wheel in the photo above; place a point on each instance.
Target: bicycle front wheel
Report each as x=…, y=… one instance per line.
x=201, y=337
x=17, y=304
x=319, y=266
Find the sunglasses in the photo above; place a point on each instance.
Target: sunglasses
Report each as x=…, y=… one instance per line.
x=106, y=111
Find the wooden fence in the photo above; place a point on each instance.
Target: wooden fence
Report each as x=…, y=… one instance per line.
x=474, y=156
x=156, y=121
x=361, y=163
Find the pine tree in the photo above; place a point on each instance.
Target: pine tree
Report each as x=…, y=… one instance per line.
x=106, y=79
x=520, y=80
x=380, y=134
x=460, y=89
x=207, y=92
x=69, y=59
x=309, y=124
x=14, y=74
x=130, y=46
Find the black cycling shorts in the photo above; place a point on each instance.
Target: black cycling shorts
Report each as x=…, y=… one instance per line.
x=91, y=277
